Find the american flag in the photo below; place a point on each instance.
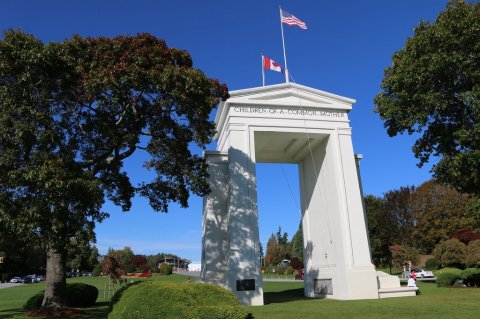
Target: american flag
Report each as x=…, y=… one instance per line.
x=292, y=20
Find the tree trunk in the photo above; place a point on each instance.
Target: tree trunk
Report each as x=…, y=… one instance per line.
x=55, y=292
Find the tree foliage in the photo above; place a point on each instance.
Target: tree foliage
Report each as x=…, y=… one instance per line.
x=439, y=212
x=72, y=112
x=296, y=250
x=398, y=255
x=432, y=89
x=397, y=206
x=382, y=229
x=111, y=268
x=275, y=252
x=466, y=235
x=81, y=256
x=139, y=263
x=472, y=253
x=450, y=252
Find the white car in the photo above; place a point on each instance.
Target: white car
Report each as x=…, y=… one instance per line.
x=16, y=280
x=423, y=273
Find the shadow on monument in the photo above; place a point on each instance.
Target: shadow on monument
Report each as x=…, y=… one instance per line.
x=235, y=257
x=231, y=244
x=310, y=274
x=215, y=227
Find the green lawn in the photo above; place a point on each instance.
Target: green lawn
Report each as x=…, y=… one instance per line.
x=285, y=300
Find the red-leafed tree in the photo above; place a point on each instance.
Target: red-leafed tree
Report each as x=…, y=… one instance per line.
x=466, y=235
x=139, y=263
x=111, y=268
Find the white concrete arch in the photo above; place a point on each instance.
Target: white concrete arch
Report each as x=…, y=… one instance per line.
x=287, y=123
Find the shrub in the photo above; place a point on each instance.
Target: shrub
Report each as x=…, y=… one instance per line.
x=471, y=277
x=447, y=279
x=81, y=295
x=432, y=263
x=156, y=299
x=165, y=269
x=296, y=263
x=290, y=270
x=34, y=302
x=77, y=295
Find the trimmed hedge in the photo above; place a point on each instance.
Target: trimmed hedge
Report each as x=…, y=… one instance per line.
x=81, y=295
x=156, y=299
x=34, y=302
x=447, y=279
x=77, y=295
x=471, y=277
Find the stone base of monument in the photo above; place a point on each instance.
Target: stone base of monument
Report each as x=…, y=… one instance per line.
x=389, y=287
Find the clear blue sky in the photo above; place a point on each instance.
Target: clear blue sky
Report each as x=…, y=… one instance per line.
x=347, y=46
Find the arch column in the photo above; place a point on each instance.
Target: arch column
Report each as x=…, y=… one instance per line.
x=336, y=250
x=239, y=254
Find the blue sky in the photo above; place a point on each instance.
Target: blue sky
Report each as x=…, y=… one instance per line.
x=345, y=50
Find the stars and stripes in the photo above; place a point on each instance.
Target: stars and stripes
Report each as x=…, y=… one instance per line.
x=292, y=20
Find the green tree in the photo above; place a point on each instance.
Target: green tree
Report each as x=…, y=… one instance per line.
x=432, y=90
x=282, y=239
x=81, y=256
x=439, y=211
x=450, y=252
x=472, y=253
x=398, y=256
x=411, y=254
x=382, y=230
x=398, y=207
x=124, y=257
x=72, y=112
x=297, y=243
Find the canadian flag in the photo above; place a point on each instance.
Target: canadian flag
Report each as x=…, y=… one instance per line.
x=269, y=64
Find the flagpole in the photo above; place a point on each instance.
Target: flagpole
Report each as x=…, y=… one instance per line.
x=263, y=70
x=283, y=43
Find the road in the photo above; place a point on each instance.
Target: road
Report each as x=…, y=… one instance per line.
x=8, y=285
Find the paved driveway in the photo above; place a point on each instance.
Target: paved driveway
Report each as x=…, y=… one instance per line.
x=8, y=285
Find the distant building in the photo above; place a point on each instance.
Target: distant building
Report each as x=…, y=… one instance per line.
x=177, y=263
x=195, y=267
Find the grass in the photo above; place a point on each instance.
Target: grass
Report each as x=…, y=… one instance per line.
x=286, y=300
x=277, y=276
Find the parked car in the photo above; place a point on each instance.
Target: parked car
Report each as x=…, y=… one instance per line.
x=28, y=280
x=284, y=263
x=423, y=273
x=16, y=280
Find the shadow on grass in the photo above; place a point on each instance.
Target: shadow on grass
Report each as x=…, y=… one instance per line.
x=284, y=296
x=8, y=313
x=99, y=311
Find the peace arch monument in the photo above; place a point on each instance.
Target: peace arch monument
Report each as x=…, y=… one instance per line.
x=289, y=123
